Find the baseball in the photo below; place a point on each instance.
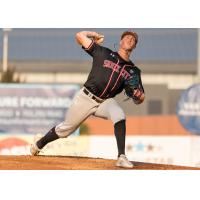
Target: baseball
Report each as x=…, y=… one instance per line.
x=100, y=39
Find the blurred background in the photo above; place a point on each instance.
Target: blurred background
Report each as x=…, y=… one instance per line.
x=42, y=69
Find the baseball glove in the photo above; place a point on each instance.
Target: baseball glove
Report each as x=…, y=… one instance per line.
x=134, y=89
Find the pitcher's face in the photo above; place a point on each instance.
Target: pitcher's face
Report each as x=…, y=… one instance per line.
x=127, y=43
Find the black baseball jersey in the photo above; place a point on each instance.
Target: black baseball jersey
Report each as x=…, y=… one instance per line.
x=109, y=72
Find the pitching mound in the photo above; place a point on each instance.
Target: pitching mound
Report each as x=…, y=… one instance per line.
x=77, y=163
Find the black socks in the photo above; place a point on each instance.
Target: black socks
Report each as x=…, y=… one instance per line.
x=120, y=134
x=49, y=137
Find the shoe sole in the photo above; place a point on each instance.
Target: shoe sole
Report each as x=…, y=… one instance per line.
x=124, y=166
x=34, y=154
x=36, y=138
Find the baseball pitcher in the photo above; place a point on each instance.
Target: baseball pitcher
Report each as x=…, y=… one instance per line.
x=111, y=73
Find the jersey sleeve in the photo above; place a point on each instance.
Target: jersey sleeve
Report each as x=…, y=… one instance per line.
x=93, y=49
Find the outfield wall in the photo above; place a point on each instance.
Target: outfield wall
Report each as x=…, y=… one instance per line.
x=176, y=150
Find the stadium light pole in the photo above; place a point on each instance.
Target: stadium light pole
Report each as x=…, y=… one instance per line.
x=5, y=48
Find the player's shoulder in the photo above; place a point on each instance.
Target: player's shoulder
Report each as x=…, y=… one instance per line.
x=106, y=49
x=135, y=68
x=102, y=49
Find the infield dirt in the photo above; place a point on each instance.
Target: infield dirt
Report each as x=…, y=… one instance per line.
x=74, y=163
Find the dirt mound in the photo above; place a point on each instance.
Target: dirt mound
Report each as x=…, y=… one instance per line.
x=76, y=163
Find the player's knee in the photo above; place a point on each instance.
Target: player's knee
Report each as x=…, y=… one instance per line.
x=118, y=120
x=63, y=130
x=119, y=117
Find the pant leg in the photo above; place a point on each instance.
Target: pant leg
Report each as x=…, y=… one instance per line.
x=82, y=107
x=110, y=109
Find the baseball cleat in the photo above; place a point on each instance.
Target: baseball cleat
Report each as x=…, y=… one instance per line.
x=34, y=148
x=123, y=161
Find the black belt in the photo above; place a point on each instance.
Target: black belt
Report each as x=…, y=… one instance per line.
x=92, y=96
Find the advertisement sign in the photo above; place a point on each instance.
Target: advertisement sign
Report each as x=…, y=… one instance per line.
x=159, y=149
x=103, y=147
x=14, y=145
x=178, y=150
x=20, y=145
x=188, y=109
x=71, y=146
x=33, y=108
x=151, y=149
x=195, y=149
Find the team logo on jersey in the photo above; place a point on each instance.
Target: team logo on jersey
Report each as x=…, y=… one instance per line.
x=113, y=55
x=115, y=67
x=111, y=65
